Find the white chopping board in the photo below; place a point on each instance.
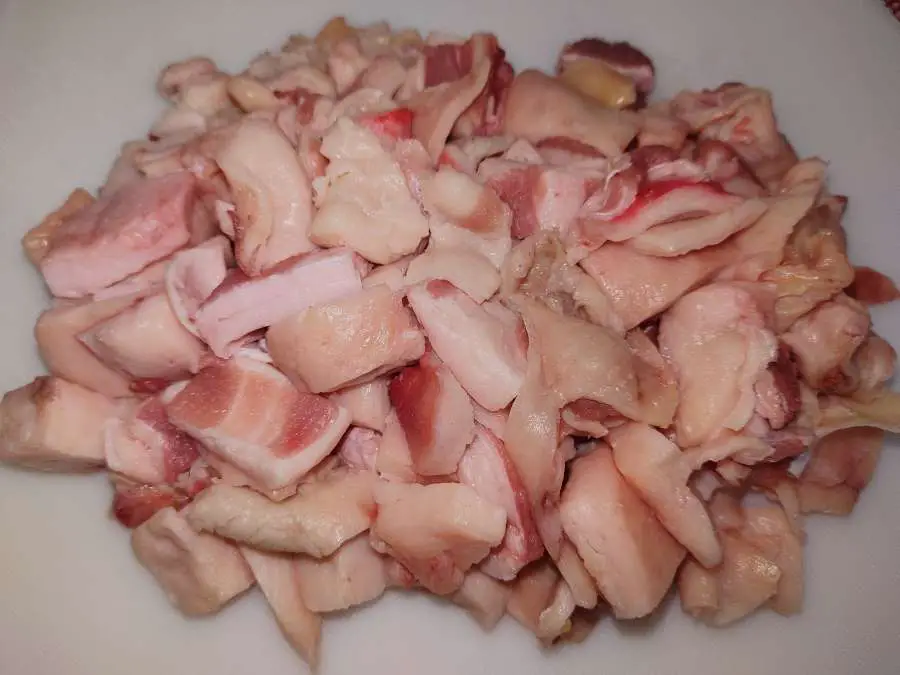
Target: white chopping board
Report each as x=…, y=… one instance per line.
x=76, y=79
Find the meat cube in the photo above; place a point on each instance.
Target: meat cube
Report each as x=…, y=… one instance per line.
x=437, y=531
x=316, y=521
x=193, y=274
x=364, y=200
x=273, y=198
x=119, y=235
x=53, y=425
x=532, y=592
x=465, y=268
x=394, y=460
x=251, y=415
x=144, y=446
x=199, y=573
x=352, y=575
x=368, y=404
x=346, y=342
x=482, y=351
x=241, y=305
x=487, y=468
x=146, y=341
x=278, y=578
x=631, y=556
x=435, y=413
x=483, y=597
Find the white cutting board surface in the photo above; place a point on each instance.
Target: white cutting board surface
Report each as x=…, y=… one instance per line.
x=76, y=79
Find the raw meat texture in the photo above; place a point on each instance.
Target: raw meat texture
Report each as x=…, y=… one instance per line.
x=871, y=287
x=359, y=448
x=316, y=521
x=465, y=268
x=488, y=469
x=656, y=468
x=540, y=107
x=346, y=342
x=240, y=305
x=37, y=240
x=483, y=597
x=272, y=196
x=717, y=341
x=251, y=415
x=278, y=578
x=352, y=575
x=364, y=201
x=532, y=593
x=54, y=425
x=436, y=531
x=145, y=447
x=435, y=413
x=65, y=355
x=623, y=57
x=631, y=556
x=199, y=573
x=119, y=235
x=193, y=274
x=394, y=459
x=147, y=342
x=368, y=404
x=880, y=410
x=480, y=344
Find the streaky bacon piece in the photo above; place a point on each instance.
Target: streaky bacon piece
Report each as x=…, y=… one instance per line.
x=490, y=362
x=147, y=342
x=368, y=404
x=483, y=597
x=352, y=575
x=54, y=425
x=56, y=333
x=871, y=287
x=631, y=556
x=539, y=106
x=278, y=578
x=316, y=521
x=487, y=468
x=119, y=235
x=463, y=201
x=252, y=416
x=241, y=305
x=148, y=281
x=346, y=342
x=134, y=504
x=273, y=197
x=37, y=240
x=435, y=413
x=146, y=447
x=199, y=573
x=436, y=531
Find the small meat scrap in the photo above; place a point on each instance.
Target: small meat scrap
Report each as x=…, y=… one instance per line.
x=199, y=573
x=353, y=575
x=252, y=416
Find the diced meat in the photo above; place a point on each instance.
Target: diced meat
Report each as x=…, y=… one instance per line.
x=623, y=57
x=37, y=240
x=135, y=503
x=489, y=470
x=656, y=468
x=352, y=575
x=346, y=342
x=252, y=416
x=631, y=556
x=871, y=287
x=278, y=578
x=532, y=592
x=56, y=333
x=316, y=521
x=146, y=341
x=368, y=404
x=390, y=275
x=825, y=340
x=394, y=460
x=465, y=268
x=875, y=361
x=199, y=573
x=141, y=284
x=119, y=235
x=273, y=198
x=192, y=276
x=489, y=362
x=483, y=597
x=464, y=202
x=359, y=448
x=436, y=531
x=539, y=106
x=717, y=341
x=241, y=304
x=364, y=200
x=146, y=447
x=54, y=425
x=435, y=413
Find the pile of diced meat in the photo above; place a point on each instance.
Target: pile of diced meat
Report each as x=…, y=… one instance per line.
x=379, y=312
